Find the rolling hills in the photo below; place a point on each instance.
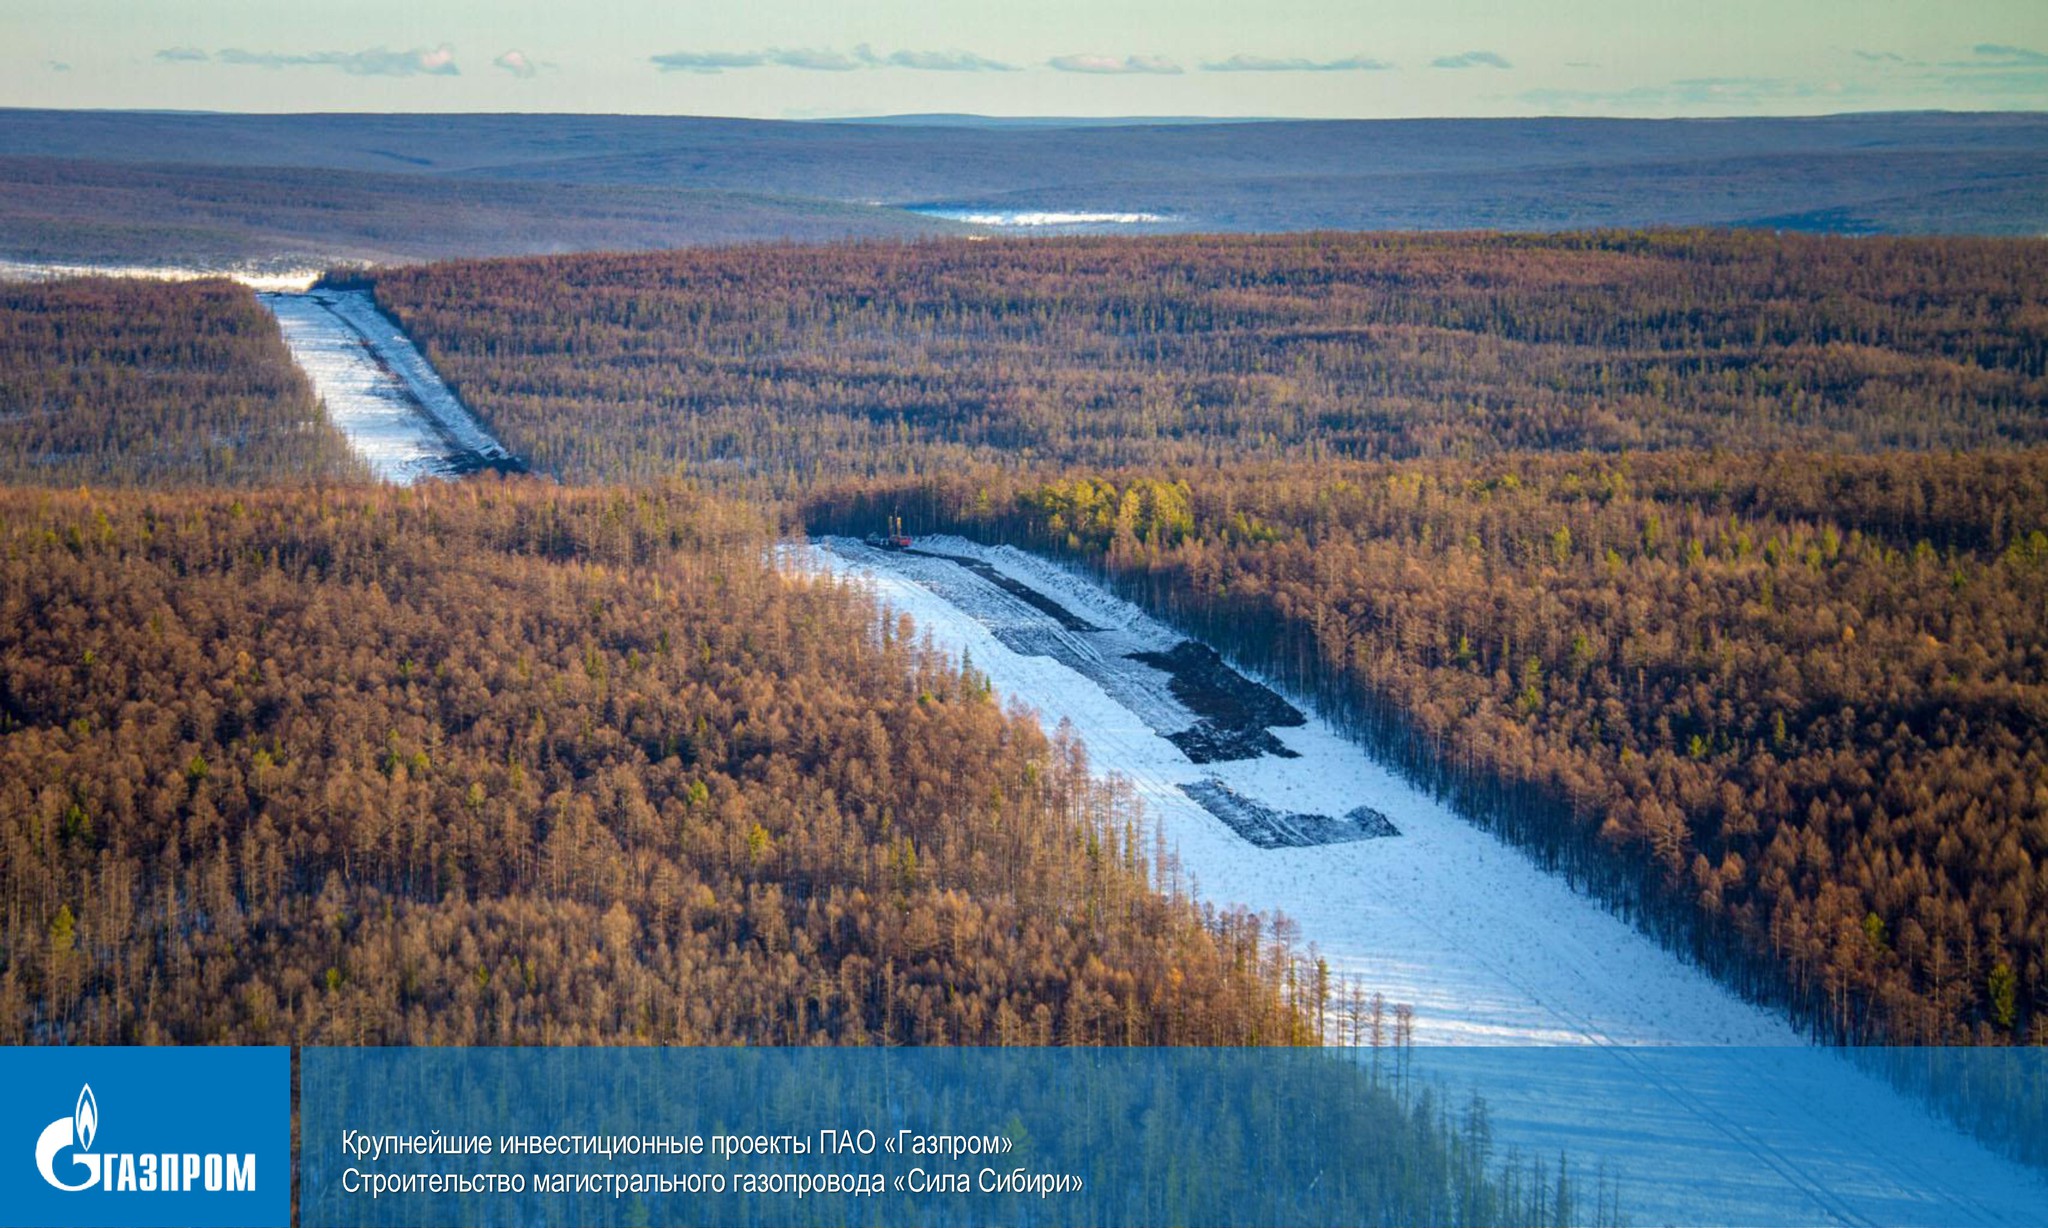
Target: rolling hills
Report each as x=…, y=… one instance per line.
x=171, y=187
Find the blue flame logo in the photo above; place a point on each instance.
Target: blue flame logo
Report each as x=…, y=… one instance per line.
x=75, y=1132
x=85, y=1120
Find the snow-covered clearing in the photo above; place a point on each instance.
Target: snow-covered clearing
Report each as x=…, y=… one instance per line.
x=379, y=389
x=1443, y=917
x=1488, y=948
x=266, y=278
x=1060, y=220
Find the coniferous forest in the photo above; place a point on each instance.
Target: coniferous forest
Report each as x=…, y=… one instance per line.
x=1711, y=566
x=487, y=764
x=1306, y=614
x=498, y=762
x=129, y=382
x=779, y=366
x=1785, y=711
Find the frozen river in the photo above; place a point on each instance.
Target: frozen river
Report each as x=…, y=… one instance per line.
x=380, y=391
x=1582, y=1032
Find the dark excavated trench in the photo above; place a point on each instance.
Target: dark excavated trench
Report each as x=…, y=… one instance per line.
x=1235, y=717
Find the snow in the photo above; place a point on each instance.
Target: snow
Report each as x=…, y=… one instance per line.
x=1488, y=948
x=277, y=280
x=379, y=389
x=1061, y=219
x=1433, y=918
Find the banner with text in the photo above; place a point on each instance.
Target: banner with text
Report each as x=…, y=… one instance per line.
x=1595, y=1135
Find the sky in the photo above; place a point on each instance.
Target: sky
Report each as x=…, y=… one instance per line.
x=784, y=59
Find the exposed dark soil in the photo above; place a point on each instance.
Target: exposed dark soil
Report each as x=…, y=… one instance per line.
x=1208, y=742
x=1268, y=828
x=1234, y=716
x=466, y=462
x=1237, y=714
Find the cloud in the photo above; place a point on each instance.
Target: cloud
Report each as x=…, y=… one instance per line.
x=935, y=61
x=1471, y=59
x=376, y=62
x=182, y=55
x=708, y=61
x=774, y=57
x=1260, y=63
x=1108, y=64
x=860, y=57
x=817, y=61
x=1997, y=71
x=1882, y=57
x=2003, y=55
x=56, y=66
x=517, y=63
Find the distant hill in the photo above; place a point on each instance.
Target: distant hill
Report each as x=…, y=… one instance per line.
x=954, y=119
x=167, y=185
x=75, y=210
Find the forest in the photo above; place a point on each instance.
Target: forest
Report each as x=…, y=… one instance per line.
x=1789, y=713
x=157, y=383
x=494, y=763
x=781, y=366
x=1708, y=565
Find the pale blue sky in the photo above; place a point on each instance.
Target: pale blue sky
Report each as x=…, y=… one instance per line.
x=783, y=59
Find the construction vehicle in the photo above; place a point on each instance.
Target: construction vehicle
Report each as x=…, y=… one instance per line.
x=894, y=539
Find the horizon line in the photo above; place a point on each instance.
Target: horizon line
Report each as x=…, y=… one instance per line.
x=965, y=118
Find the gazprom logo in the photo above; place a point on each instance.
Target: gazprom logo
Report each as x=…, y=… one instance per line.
x=131, y=1172
x=75, y=1131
